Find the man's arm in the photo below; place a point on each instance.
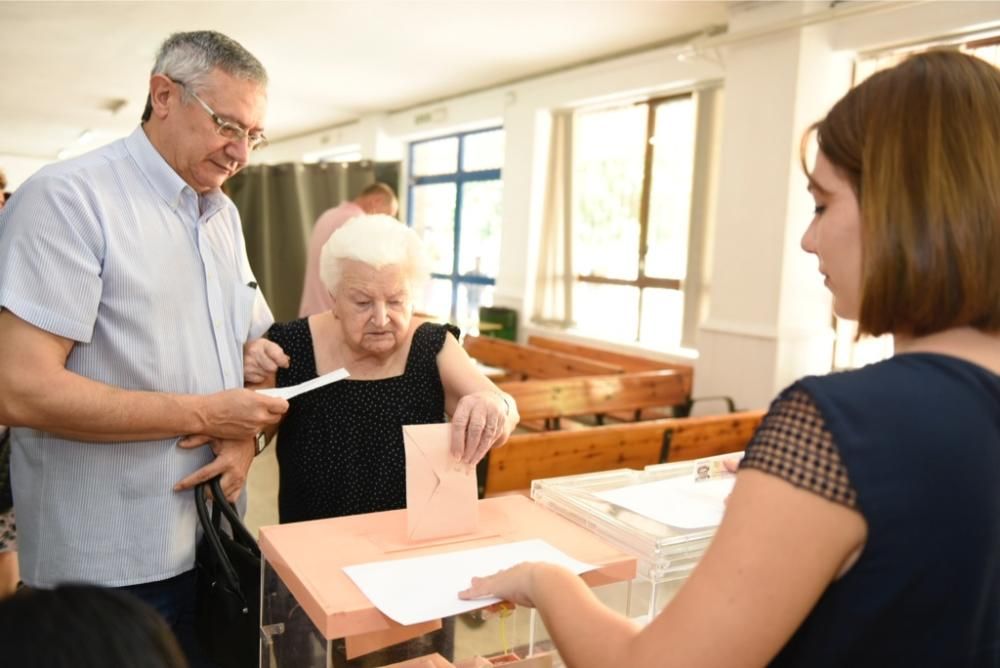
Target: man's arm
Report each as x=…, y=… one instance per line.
x=39, y=392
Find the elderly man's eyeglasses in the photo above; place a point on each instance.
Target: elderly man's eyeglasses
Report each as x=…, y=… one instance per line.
x=228, y=129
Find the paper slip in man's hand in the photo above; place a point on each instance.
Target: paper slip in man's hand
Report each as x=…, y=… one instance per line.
x=308, y=386
x=441, y=497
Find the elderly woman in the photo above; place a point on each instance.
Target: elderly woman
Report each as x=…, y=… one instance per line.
x=340, y=448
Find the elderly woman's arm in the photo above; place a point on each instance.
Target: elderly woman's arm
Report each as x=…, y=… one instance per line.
x=482, y=415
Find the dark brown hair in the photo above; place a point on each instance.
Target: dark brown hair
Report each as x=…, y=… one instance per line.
x=920, y=145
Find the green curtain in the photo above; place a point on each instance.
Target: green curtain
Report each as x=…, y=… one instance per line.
x=279, y=205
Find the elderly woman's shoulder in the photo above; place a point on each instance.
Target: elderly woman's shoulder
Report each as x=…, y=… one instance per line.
x=422, y=326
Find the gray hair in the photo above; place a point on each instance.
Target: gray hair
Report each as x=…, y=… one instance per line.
x=189, y=57
x=379, y=241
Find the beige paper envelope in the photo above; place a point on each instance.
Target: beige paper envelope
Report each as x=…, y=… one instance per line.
x=441, y=497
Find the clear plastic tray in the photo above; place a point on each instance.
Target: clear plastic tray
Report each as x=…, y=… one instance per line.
x=665, y=553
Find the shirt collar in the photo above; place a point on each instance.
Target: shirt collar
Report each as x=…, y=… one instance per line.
x=165, y=181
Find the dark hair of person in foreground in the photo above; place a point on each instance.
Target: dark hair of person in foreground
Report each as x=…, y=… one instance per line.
x=84, y=626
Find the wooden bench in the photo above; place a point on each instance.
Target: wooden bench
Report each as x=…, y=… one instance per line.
x=527, y=457
x=626, y=361
x=529, y=362
x=552, y=399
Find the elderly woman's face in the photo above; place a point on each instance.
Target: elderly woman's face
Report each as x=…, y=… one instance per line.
x=373, y=306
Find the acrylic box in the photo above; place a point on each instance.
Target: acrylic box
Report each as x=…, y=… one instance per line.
x=666, y=554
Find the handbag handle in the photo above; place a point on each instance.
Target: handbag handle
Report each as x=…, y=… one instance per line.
x=211, y=531
x=241, y=534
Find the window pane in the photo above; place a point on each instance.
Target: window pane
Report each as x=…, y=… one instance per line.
x=479, y=253
x=670, y=196
x=606, y=311
x=662, y=317
x=435, y=157
x=470, y=297
x=483, y=150
x=433, y=219
x=437, y=299
x=607, y=188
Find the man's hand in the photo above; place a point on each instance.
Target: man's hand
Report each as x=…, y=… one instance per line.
x=261, y=360
x=238, y=414
x=232, y=461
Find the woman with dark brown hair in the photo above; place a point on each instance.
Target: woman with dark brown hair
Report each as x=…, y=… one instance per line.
x=864, y=526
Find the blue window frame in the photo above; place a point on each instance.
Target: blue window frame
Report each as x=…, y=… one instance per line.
x=453, y=201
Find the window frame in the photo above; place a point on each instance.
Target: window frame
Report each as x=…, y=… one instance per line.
x=643, y=281
x=460, y=177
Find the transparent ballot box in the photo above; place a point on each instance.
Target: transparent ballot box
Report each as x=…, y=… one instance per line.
x=312, y=613
x=666, y=554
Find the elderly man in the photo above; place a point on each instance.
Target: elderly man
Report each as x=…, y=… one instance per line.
x=126, y=299
x=376, y=198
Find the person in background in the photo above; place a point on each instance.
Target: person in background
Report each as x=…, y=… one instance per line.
x=864, y=526
x=374, y=199
x=125, y=300
x=9, y=576
x=83, y=626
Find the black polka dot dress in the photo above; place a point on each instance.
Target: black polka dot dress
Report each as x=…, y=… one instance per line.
x=340, y=448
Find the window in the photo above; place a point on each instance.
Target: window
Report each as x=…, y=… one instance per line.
x=632, y=179
x=455, y=198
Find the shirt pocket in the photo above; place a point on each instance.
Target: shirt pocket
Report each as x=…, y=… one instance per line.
x=244, y=297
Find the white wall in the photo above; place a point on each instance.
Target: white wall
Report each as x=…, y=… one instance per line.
x=783, y=64
x=18, y=169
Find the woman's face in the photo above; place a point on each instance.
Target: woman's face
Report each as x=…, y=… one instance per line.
x=373, y=306
x=834, y=236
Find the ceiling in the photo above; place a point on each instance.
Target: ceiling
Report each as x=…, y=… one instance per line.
x=74, y=74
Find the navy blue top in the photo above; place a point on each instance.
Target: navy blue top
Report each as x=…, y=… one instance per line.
x=919, y=435
x=340, y=448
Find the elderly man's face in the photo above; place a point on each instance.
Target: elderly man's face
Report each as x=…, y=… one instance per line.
x=373, y=306
x=196, y=151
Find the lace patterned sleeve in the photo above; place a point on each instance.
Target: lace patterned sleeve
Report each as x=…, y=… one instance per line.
x=794, y=444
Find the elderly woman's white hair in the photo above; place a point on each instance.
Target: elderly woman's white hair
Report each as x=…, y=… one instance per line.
x=379, y=241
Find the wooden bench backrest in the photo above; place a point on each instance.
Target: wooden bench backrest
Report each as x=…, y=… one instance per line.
x=532, y=362
x=698, y=437
x=593, y=395
x=527, y=457
x=627, y=362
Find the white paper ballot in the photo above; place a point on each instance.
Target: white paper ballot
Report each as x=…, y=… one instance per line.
x=419, y=589
x=308, y=386
x=678, y=502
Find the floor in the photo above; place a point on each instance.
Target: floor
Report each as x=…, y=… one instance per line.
x=262, y=491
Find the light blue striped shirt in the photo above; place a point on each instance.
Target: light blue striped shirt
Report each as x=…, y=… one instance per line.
x=114, y=250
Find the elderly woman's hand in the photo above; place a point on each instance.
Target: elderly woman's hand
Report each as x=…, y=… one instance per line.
x=481, y=420
x=261, y=359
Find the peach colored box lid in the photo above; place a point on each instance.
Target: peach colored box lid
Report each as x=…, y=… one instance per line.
x=309, y=556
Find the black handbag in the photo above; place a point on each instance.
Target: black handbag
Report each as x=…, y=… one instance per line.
x=228, y=572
